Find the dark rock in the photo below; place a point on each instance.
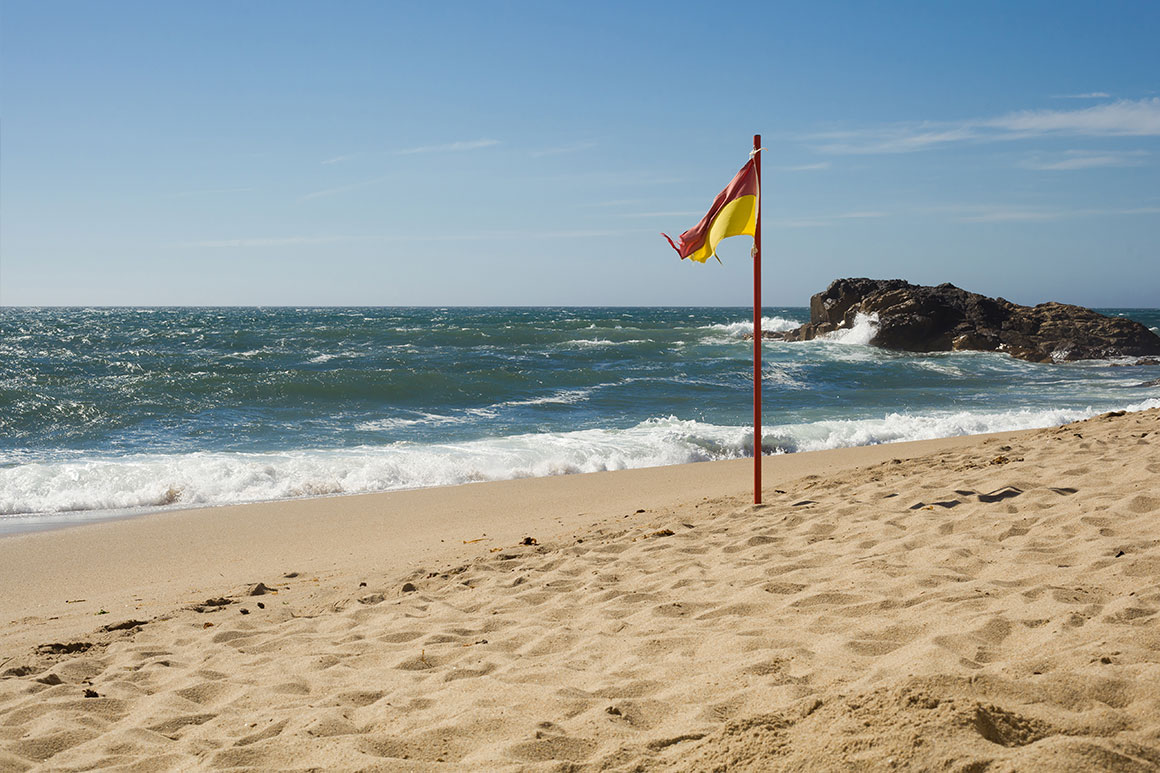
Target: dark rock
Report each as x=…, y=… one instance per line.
x=409, y=587
x=917, y=318
x=260, y=589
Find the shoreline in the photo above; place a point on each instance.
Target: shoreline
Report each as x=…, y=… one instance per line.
x=56, y=521
x=989, y=595
x=116, y=557
x=28, y=523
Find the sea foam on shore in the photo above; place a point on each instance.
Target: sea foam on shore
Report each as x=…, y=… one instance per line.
x=124, y=410
x=217, y=478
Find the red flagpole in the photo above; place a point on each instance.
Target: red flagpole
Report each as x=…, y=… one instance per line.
x=757, y=329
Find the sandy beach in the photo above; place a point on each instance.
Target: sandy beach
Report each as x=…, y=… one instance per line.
x=969, y=604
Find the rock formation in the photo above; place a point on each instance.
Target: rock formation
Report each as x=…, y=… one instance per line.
x=916, y=318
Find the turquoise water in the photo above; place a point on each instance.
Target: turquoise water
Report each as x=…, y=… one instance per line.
x=112, y=410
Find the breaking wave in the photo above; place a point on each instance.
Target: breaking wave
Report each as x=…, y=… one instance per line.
x=152, y=481
x=742, y=329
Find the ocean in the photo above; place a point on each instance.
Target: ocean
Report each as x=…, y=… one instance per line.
x=106, y=412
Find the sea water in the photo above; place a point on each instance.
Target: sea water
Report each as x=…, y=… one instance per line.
x=119, y=410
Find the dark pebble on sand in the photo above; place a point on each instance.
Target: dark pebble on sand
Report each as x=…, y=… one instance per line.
x=409, y=587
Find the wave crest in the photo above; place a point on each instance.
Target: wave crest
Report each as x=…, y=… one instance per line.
x=156, y=481
x=743, y=329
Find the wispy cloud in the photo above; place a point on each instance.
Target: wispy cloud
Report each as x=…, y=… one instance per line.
x=860, y=215
x=1086, y=159
x=276, y=241
x=905, y=139
x=451, y=147
x=1122, y=118
x=805, y=167
x=562, y=149
x=1014, y=216
x=514, y=234
x=1017, y=214
x=690, y=213
x=340, y=159
x=1089, y=95
x=343, y=188
x=625, y=177
x=819, y=221
x=617, y=203
x=207, y=192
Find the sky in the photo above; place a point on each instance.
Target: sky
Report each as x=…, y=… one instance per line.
x=530, y=153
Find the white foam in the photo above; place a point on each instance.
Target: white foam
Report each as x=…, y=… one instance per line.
x=859, y=334
x=420, y=419
x=742, y=329
x=898, y=427
x=783, y=374
x=936, y=366
x=152, y=481
x=561, y=397
x=587, y=343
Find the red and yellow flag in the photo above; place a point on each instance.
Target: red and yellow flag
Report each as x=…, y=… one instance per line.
x=734, y=213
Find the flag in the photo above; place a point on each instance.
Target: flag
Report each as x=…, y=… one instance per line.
x=733, y=213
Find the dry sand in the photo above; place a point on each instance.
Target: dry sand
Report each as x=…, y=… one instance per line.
x=988, y=603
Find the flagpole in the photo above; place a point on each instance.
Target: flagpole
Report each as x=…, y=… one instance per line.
x=757, y=329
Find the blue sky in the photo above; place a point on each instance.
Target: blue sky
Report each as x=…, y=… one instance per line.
x=386, y=153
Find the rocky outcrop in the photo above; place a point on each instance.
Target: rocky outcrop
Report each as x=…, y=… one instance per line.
x=916, y=318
